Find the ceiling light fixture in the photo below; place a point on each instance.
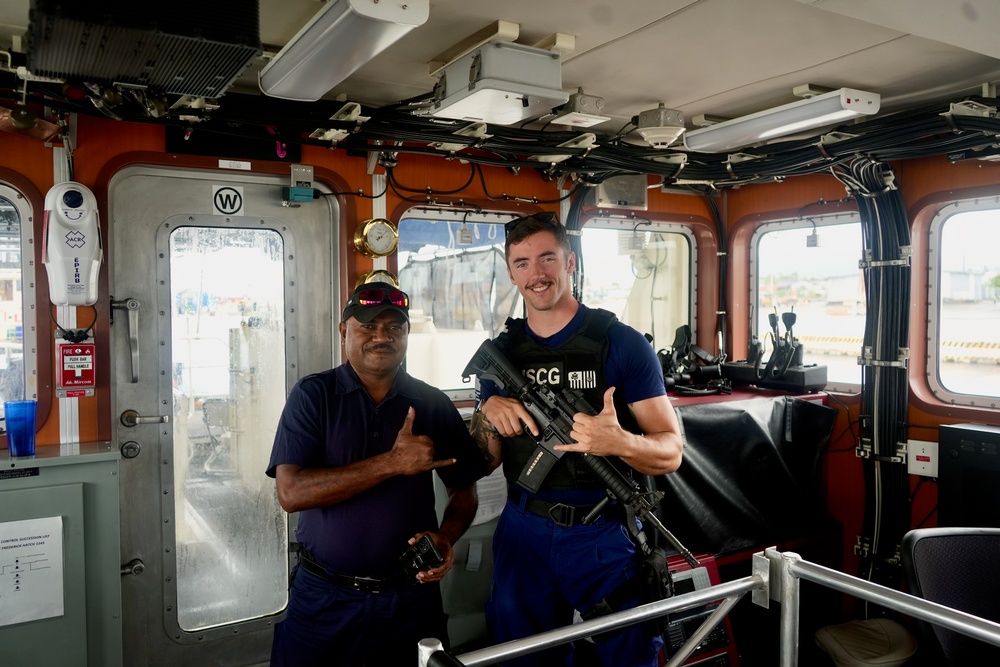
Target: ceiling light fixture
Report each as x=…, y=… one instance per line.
x=340, y=38
x=807, y=114
x=500, y=83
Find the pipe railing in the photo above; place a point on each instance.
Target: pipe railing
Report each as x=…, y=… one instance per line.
x=431, y=654
x=785, y=589
x=776, y=576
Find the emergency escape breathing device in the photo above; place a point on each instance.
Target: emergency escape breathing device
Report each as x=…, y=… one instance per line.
x=72, y=245
x=72, y=254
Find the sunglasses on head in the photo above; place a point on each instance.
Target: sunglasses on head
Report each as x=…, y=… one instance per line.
x=375, y=296
x=546, y=218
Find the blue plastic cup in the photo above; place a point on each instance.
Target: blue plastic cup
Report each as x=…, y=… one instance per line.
x=20, y=416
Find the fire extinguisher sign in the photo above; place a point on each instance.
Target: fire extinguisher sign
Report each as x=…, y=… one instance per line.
x=76, y=369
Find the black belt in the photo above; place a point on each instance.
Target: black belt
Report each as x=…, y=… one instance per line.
x=561, y=514
x=365, y=584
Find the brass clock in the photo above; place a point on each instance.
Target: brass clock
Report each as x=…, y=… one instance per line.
x=377, y=276
x=377, y=237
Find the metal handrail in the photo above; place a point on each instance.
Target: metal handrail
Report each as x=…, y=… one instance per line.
x=776, y=576
x=730, y=592
x=785, y=590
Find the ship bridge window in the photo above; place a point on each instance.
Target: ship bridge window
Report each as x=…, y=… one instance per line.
x=810, y=268
x=643, y=273
x=964, y=312
x=17, y=320
x=452, y=265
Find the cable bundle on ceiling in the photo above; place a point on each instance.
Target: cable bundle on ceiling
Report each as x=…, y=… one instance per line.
x=966, y=128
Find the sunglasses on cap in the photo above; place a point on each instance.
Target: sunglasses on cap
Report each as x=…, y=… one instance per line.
x=546, y=218
x=375, y=296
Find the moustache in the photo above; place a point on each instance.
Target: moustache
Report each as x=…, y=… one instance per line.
x=382, y=348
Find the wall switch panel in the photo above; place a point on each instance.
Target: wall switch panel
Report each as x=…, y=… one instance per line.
x=922, y=458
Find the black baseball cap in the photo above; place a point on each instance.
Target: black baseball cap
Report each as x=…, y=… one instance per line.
x=370, y=299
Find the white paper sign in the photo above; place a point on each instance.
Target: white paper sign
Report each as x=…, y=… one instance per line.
x=492, y=492
x=31, y=570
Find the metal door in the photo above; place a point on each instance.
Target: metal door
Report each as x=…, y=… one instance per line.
x=222, y=298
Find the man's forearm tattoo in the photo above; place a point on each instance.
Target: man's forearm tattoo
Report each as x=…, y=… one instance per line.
x=484, y=433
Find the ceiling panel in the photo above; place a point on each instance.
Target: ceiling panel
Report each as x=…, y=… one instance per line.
x=720, y=57
x=970, y=24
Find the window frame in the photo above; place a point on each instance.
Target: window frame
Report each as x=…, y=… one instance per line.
x=818, y=221
x=593, y=221
x=29, y=291
x=497, y=217
x=168, y=242
x=630, y=222
x=934, y=317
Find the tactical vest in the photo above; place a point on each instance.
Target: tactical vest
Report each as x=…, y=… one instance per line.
x=578, y=364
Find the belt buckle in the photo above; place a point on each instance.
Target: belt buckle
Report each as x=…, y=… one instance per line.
x=562, y=515
x=368, y=584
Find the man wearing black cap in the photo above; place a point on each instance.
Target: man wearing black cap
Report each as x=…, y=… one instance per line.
x=353, y=454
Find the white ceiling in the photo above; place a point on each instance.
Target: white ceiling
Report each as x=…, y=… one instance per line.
x=717, y=57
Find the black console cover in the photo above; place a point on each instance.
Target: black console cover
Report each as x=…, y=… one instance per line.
x=750, y=474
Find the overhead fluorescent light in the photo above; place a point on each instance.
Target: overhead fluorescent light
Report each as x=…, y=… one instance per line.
x=826, y=109
x=340, y=38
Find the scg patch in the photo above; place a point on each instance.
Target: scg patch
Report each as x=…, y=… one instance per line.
x=550, y=374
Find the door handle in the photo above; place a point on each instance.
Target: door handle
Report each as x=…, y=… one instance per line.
x=134, y=566
x=132, y=418
x=132, y=307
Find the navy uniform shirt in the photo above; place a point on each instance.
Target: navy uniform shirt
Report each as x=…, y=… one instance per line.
x=330, y=420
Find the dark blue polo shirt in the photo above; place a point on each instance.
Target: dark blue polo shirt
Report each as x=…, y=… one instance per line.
x=330, y=420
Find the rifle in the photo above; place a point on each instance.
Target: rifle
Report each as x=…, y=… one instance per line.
x=553, y=413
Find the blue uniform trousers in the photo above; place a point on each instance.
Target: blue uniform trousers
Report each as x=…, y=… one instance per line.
x=543, y=572
x=337, y=626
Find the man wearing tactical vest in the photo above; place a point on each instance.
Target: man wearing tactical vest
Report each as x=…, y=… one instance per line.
x=547, y=563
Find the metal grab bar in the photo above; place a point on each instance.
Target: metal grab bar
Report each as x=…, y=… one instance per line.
x=732, y=591
x=131, y=306
x=775, y=576
x=785, y=589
